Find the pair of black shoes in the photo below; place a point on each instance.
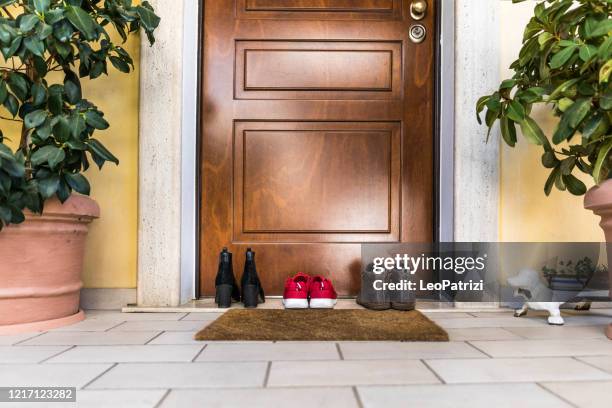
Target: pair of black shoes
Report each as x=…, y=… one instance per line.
x=227, y=288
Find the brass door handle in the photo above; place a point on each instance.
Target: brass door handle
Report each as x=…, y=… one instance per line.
x=418, y=9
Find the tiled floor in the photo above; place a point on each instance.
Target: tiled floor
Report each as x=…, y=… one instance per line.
x=151, y=360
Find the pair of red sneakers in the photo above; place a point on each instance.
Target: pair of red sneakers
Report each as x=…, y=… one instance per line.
x=303, y=291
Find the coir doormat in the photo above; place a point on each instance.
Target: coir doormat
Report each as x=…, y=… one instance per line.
x=322, y=325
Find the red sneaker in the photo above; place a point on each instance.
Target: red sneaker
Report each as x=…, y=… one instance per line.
x=295, y=295
x=322, y=293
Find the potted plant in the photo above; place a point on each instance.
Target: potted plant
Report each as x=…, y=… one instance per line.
x=48, y=45
x=565, y=63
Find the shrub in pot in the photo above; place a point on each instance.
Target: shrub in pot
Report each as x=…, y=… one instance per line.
x=565, y=63
x=48, y=46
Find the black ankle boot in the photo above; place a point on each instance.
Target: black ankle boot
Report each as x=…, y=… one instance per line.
x=225, y=282
x=252, y=291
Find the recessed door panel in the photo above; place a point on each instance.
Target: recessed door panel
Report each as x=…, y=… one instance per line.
x=318, y=70
x=335, y=182
x=322, y=9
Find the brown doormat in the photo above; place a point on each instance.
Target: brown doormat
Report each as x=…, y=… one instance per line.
x=322, y=325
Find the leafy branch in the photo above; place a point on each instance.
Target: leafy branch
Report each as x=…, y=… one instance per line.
x=71, y=37
x=565, y=63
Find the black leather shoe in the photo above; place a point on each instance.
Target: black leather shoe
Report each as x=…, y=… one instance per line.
x=252, y=291
x=402, y=299
x=225, y=282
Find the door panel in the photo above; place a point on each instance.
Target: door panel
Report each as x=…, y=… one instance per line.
x=316, y=135
x=318, y=70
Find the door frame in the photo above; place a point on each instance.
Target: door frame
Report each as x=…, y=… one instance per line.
x=191, y=198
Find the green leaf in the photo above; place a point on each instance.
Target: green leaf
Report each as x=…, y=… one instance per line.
x=562, y=88
x=27, y=22
x=35, y=119
x=39, y=94
x=82, y=21
x=148, y=18
x=35, y=46
x=516, y=111
x=12, y=105
x=508, y=130
x=52, y=155
x=574, y=185
x=95, y=120
x=550, y=182
x=602, y=28
x=72, y=87
x=605, y=101
x=578, y=112
x=48, y=186
x=532, y=132
x=78, y=183
x=587, y=52
x=563, y=56
x=602, y=157
x=56, y=99
x=549, y=160
x=595, y=127
x=99, y=149
x=19, y=85
x=42, y=5
x=120, y=64
x=6, y=153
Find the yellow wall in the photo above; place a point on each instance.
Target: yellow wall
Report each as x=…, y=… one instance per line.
x=110, y=259
x=526, y=214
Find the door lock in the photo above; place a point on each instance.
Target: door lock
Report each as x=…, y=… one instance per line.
x=417, y=33
x=418, y=9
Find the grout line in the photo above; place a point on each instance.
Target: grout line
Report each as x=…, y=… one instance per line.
x=198, y=353
x=433, y=371
x=267, y=377
x=476, y=348
x=154, y=337
x=162, y=399
x=55, y=355
x=516, y=334
x=99, y=375
x=182, y=317
x=357, y=397
x=115, y=326
x=589, y=364
x=339, y=351
x=556, y=395
x=28, y=339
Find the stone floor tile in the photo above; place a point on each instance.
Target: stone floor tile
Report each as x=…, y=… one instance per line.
x=91, y=338
x=408, y=350
x=28, y=354
x=346, y=373
x=471, y=322
x=481, y=333
x=545, y=348
x=128, y=317
x=503, y=370
x=202, y=317
x=269, y=352
x=49, y=375
x=459, y=396
x=16, y=338
x=161, y=325
x=559, y=332
x=263, y=398
x=602, y=362
x=128, y=354
x=183, y=375
x=583, y=394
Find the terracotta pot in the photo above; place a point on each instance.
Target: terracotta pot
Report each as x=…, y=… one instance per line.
x=41, y=264
x=599, y=200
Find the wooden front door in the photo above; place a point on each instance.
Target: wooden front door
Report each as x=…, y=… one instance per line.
x=317, y=135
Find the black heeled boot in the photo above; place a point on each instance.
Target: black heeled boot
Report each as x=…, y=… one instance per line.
x=252, y=291
x=225, y=282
